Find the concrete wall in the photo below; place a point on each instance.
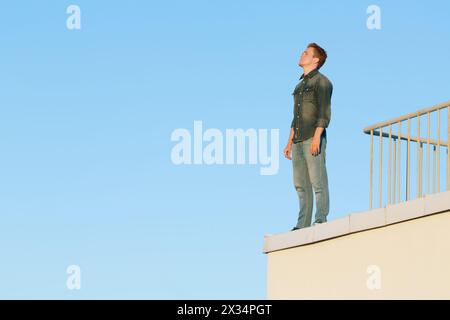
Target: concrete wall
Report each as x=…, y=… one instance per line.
x=407, y=259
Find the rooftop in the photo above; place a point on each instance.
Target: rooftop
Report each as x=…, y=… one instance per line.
x=360, y=221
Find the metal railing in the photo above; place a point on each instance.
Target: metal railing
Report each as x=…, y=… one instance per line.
x=392, y=130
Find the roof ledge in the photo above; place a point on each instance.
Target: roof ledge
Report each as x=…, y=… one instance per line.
x=360, y=221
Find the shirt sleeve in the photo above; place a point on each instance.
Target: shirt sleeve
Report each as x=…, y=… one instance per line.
x=293, y=119
x=324, y=92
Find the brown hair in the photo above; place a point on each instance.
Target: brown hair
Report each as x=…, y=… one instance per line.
x=319, y=53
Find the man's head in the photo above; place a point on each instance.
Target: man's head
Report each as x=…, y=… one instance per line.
x=313, y=57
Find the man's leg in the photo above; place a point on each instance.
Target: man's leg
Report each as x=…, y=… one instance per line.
x=302, y=186
x=319, y=179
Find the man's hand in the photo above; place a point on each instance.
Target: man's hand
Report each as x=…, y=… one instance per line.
x=315, y=145
x=287, y=151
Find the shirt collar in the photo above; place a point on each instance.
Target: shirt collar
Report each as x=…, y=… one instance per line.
x=310, y=74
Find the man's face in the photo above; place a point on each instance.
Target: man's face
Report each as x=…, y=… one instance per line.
x=307, y=58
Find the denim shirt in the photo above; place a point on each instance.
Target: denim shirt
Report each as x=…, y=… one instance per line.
x=312, y=105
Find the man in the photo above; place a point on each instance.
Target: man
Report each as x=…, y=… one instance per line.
x=308, y=138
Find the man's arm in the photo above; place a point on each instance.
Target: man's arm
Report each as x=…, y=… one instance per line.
x=287, y=150
x=318, y=132
x=324, y=92
x=291, y=136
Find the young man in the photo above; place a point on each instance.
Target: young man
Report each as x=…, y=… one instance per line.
x=308, y=138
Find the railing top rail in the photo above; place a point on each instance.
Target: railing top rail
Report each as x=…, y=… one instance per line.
x=406, y=117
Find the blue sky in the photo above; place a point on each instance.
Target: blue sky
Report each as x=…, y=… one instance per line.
x=87, y=115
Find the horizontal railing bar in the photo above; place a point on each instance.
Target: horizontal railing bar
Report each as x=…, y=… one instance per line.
x=415, y=139
x=406, y=116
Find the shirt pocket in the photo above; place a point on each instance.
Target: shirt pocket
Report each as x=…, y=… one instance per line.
x=308, y=94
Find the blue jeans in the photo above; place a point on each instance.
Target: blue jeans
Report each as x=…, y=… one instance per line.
x=310, y=172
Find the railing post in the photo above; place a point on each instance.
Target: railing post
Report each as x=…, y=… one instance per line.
x=419, y=155
x=371, y=167
x=428, y=153
x=398, y=161
x=448, y=145
x=389, y=165
x=380, y=175
x=421, y=168
x=395, y=171
x=434, y=168
x=408, y=160
x=439, y=153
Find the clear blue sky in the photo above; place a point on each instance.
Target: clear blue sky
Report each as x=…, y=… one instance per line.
x=86, y=119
